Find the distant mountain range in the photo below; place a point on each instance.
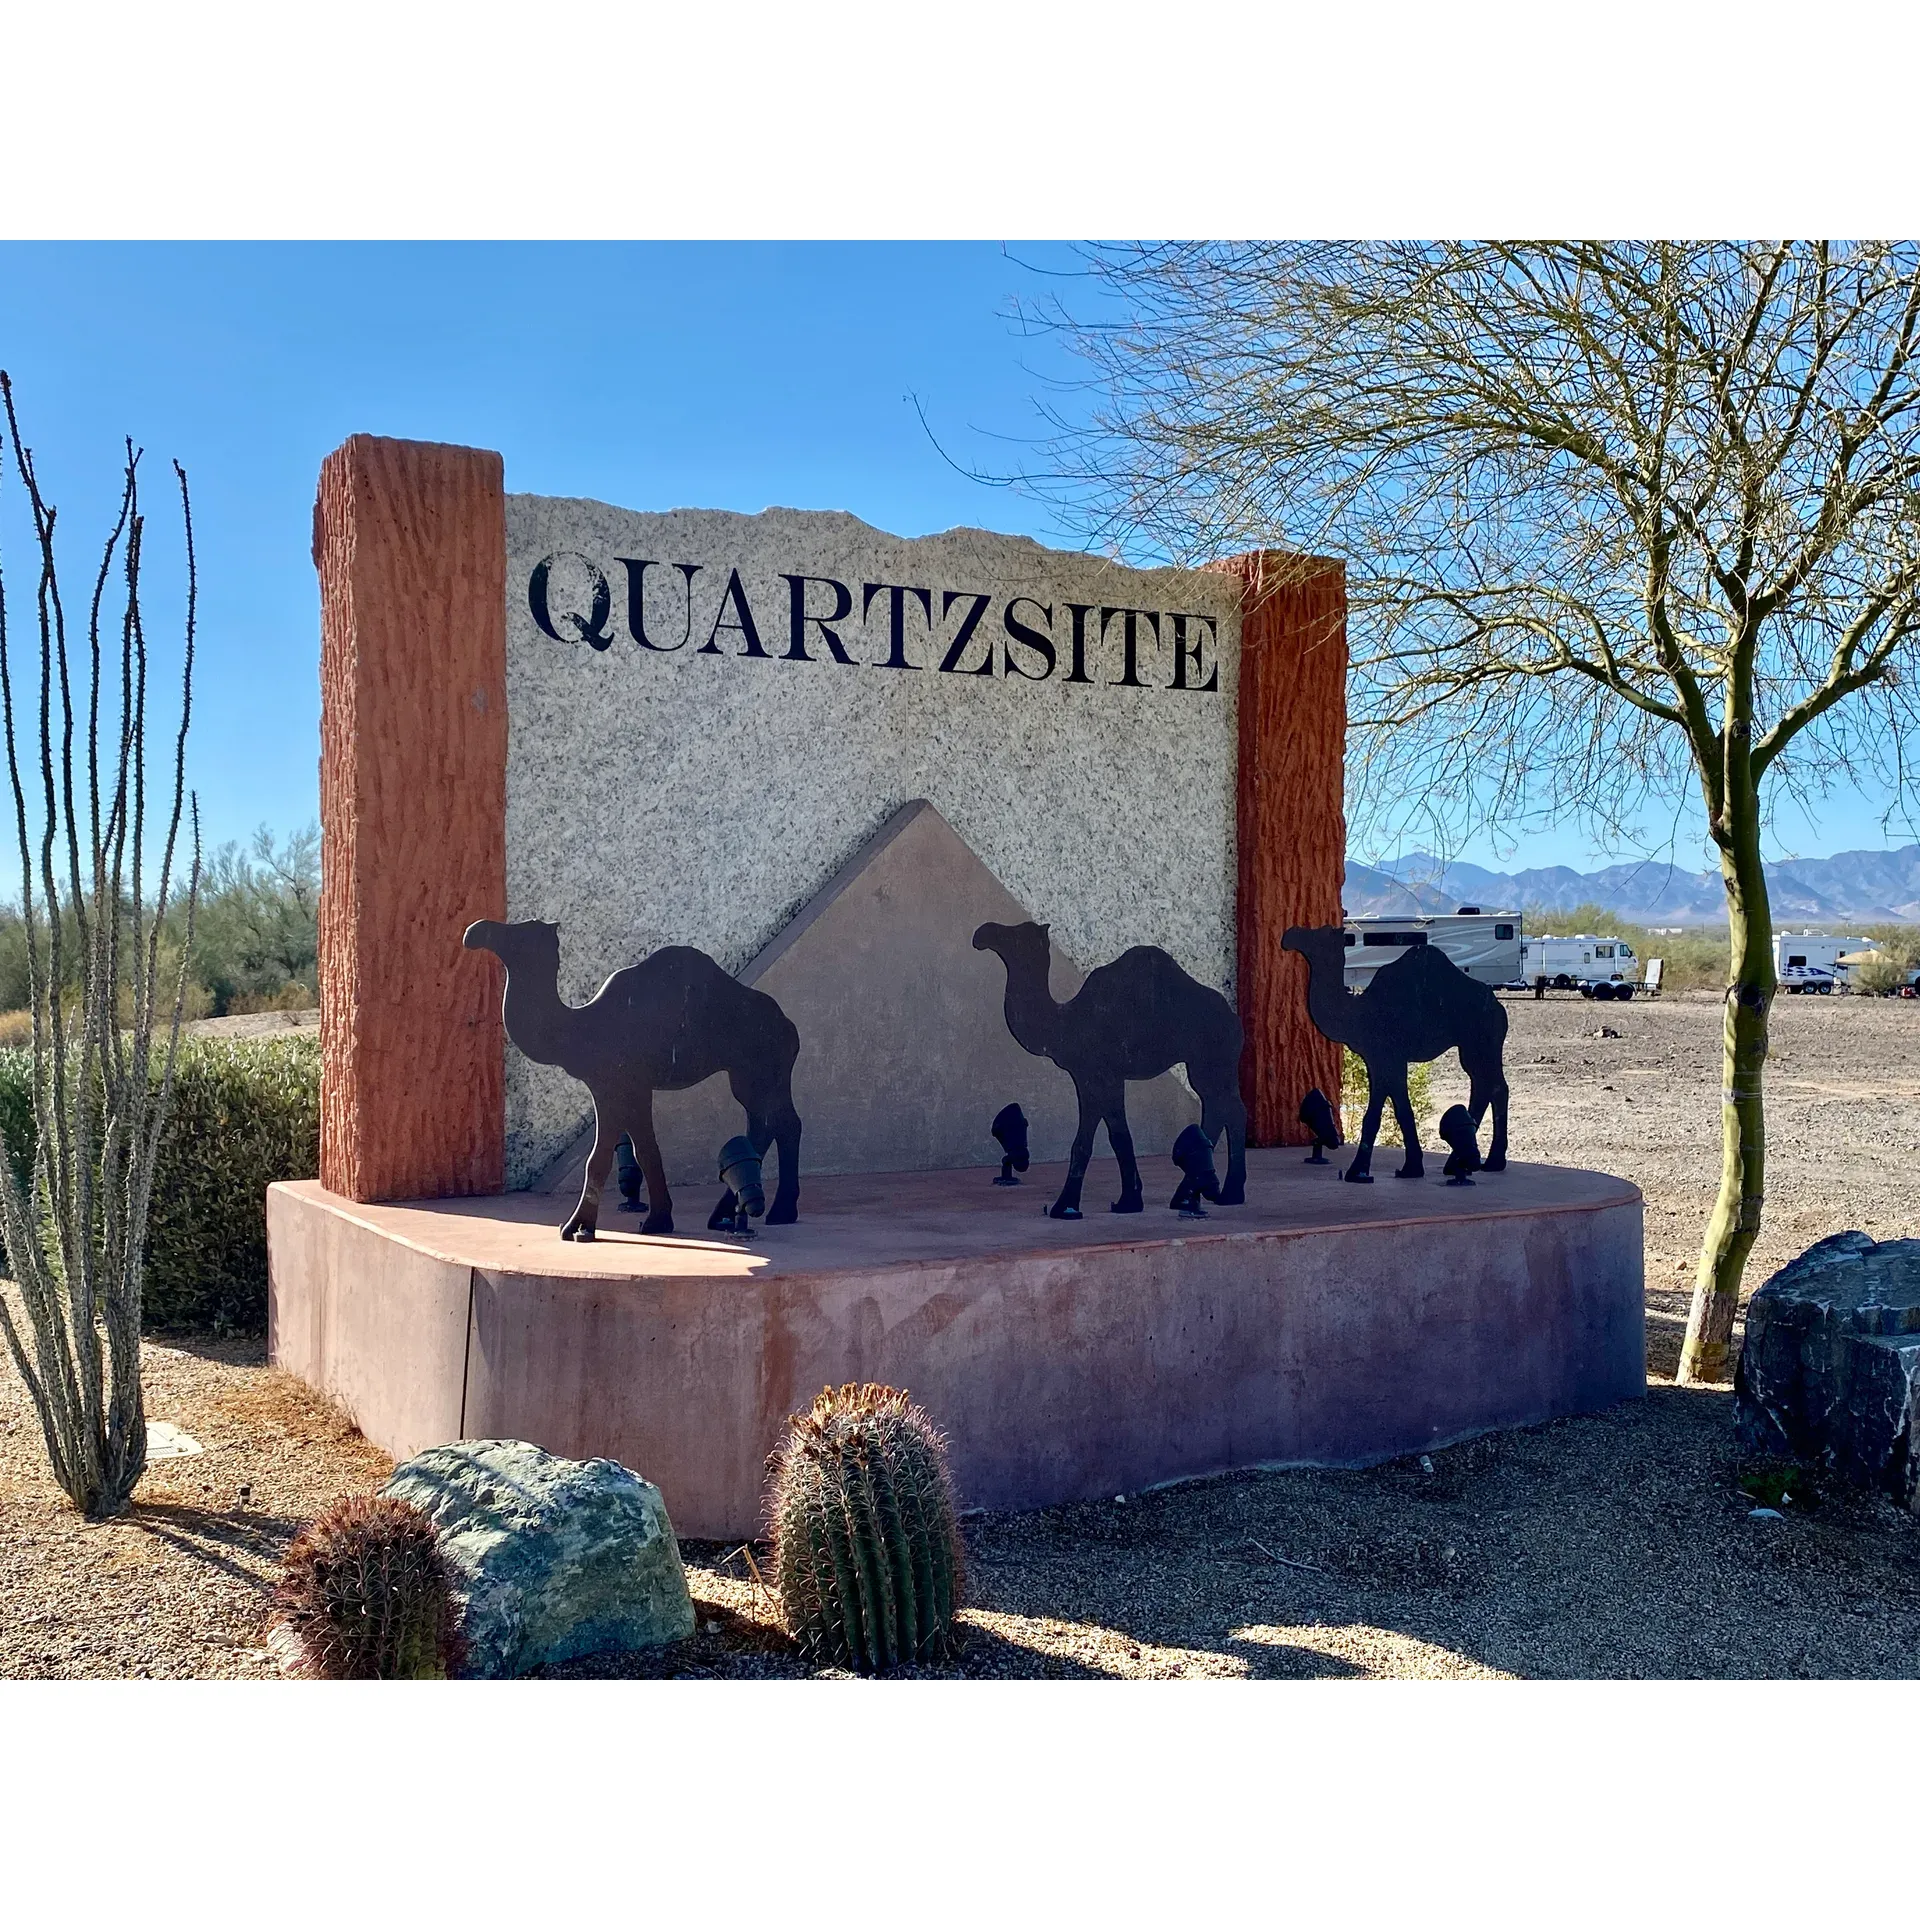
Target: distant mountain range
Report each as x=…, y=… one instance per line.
x=1841, y=887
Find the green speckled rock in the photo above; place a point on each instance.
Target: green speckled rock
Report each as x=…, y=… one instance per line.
x=556, y=1558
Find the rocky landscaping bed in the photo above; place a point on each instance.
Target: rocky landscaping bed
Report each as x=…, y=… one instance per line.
x=1618, y=1545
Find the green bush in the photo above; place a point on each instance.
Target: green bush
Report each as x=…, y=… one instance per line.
x=1353, y=1098
x=244, y=1113
x=1881, y=976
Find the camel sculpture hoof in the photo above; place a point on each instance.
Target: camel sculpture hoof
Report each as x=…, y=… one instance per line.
x=783, y=1213
x=1060, y=1210
x=1232, y=1195
x=1495, y=1164
x=577, y=1230
x=1358, y=1178
x=1409, y=1173
x=1127, y=1203
x=657, y=1223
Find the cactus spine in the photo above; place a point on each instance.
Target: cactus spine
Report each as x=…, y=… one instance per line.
x=368, y=1594
x=867, y=1547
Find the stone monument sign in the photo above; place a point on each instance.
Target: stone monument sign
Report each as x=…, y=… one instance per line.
x=817, y=752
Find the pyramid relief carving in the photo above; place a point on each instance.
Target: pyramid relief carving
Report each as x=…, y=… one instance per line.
x=905, y=1055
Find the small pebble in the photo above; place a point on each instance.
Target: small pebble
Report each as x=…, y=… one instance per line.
x=1426, y=1464
x=1766, y=1513
x=1119, y=1499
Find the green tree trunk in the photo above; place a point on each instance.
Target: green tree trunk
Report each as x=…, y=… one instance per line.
x=1731, y=1232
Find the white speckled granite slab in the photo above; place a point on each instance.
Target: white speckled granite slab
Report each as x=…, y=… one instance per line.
x=694, y=790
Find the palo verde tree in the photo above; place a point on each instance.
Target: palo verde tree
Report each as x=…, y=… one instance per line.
x=75, y=1229
x=1620, y=522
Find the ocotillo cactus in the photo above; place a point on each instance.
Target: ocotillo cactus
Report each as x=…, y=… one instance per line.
x=865, y=1540
x=368, y=1594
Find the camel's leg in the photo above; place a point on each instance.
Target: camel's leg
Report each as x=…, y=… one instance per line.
x=1489, y=1088
x=1067, y=1207
x=768, y=1101
x=646, y=1146
x=783, y=1126
x=586, y=1216
x=1414, y=1167
x=1361, y=1171
x=1120, y=1139
x=1224, y=1110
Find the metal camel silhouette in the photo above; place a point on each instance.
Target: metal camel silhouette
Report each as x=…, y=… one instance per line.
x=1414, y=1009
x=1131, y=1020
x=667, y=1023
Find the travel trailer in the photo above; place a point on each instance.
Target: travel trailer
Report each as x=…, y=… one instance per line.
x=1484, y=945
x=1601, y=965
x=1811, y=962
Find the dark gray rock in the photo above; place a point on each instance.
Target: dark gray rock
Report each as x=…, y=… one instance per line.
x=556, y=1558
x=1830, y=1371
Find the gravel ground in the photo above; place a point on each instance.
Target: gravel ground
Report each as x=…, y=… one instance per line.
x=253, y=1026
x=1617, y=1545
x=1843, y=1122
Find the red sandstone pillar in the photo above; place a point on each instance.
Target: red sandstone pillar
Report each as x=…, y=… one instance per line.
x=1292, y=829
x=411, y=545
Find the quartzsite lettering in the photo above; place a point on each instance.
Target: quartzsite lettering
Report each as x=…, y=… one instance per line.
x=1192, y=638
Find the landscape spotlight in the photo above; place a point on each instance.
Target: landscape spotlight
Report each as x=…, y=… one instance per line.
x=1457, y=1130
x=1320, y=1120
x=740, y=1169
x=1010, y=1129
x=1194, y=1157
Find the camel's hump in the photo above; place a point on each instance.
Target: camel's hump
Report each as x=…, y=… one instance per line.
x=1419, y=962
x=669, y=970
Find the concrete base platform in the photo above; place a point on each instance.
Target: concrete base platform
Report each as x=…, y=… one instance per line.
x=1066, y=1359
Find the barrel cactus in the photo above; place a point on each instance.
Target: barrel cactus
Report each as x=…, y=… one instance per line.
x=865, y=1540
x=367, y=1594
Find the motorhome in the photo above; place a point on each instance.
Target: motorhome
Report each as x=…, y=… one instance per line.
x=1811, y=962
x=1484, y=945
x=1601, y=965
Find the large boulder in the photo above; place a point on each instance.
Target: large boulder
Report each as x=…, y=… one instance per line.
x=556, y=1558
x=1830, y=1371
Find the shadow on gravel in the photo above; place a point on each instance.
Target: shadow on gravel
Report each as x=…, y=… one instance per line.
x=245, y=1546
x=1614, y=1545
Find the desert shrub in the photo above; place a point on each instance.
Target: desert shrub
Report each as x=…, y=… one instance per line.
x=1604, y=921
x=257, y=929
x=1353, y=1098
x=16, y=1028
x=16, y=1107
x=1899, y=945
x=865, y=1537
x=244, y=1113
x=295, y=997
x=1879, y=976
x=1700, y=957
x=368, y=1595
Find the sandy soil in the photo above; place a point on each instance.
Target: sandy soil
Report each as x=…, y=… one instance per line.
x=1614, y=1545
x=253, y=1026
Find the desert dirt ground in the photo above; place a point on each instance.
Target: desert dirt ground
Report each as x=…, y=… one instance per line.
x=1614, y=1545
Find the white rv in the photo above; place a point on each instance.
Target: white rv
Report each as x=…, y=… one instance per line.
x=1601, y=965
x=1810, y=962
x=1483, y=945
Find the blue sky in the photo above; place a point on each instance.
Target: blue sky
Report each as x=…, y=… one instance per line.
x=653, y=376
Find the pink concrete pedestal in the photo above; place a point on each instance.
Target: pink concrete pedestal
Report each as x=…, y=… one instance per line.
x=1065, y=1359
